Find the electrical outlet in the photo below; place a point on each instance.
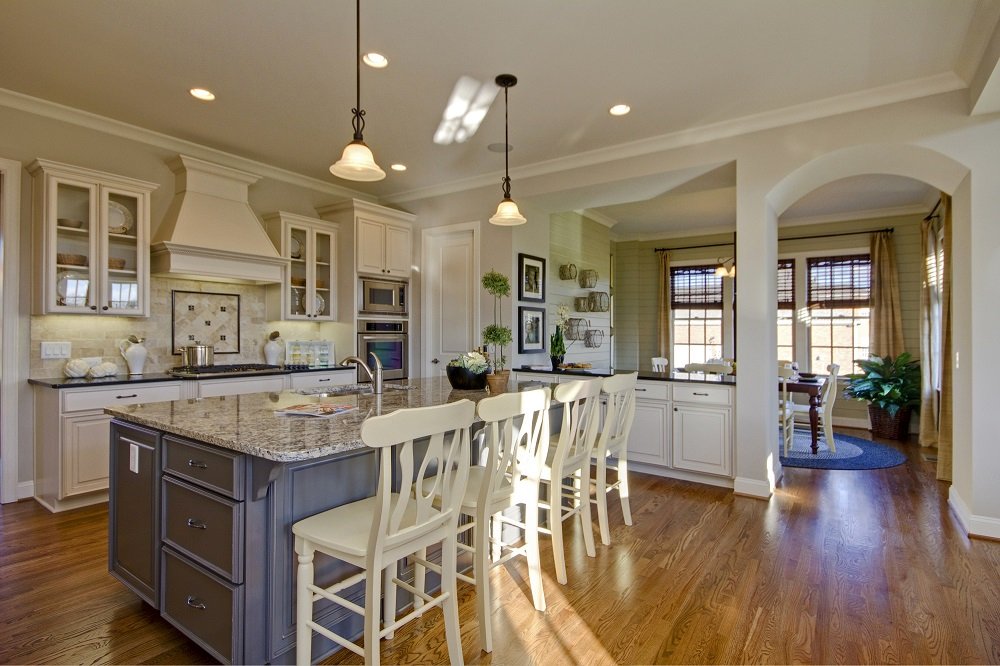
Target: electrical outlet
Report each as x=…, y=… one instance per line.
x=56, y=349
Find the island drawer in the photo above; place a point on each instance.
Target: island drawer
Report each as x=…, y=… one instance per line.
x=652, y=390
x=214, y=468
x=203, y=606
x=126, y=394
x=705, y=395
x=205, y=526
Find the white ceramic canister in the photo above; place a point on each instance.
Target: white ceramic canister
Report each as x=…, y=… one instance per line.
x=134, y=354
x=272, y=352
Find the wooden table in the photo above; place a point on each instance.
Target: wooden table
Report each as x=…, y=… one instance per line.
x=813, y=390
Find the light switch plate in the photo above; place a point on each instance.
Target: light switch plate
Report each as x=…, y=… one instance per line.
x=56, y=349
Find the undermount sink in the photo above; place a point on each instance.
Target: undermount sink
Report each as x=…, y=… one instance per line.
x=353, y=389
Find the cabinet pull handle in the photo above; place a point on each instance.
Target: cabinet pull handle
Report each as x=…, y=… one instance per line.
x=197, y=524
x=105, y=308
x=195, y=602
x=318, y=381
x=93, y=307
x=704, y=394
x=130, y=395
x=641, y=389
x=197, y=463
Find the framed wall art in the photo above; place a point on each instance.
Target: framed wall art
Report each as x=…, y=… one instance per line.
x=530, y=331
x=530, y=278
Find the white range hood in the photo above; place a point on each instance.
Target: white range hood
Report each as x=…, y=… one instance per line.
x=210, y=232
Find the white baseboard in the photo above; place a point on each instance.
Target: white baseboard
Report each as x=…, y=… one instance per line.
x=25, y=489
x=681, y=475
x=752, y=487
x=975, y=526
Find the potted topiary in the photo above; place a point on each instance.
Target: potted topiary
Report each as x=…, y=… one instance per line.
x=892, y=388
x=496, y=335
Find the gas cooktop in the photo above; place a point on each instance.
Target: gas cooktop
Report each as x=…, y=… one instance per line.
x=222, y=370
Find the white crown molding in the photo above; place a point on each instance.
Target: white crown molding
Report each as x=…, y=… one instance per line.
x=67, y=114
x=896, y=211
x=645, y=237
x=600, y=218
x=831, y=106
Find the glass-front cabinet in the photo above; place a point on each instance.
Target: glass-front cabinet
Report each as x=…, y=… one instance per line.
x=91, y=241
x=309, y=291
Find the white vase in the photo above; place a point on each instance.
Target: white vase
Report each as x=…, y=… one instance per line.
x=134, y=354
x=272, y=352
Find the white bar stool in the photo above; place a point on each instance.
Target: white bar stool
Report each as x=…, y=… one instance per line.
x=612, y=448
x=374, y=533
x=569, y=457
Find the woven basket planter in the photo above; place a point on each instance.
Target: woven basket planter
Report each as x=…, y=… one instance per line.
x=599, y=301
x=576, y=328
x=582, y=303
x=890, y=427
x=567, y=272
x=588, y=278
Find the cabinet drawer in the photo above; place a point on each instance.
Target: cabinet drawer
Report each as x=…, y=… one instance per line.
x=205, y=526
x=126, y=394
x=306, y=380
x=203, y=606
x=652, y=390
x=705, y=395
x=211, y=388
x=212, y=468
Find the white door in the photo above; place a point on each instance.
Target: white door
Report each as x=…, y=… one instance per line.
x=450, y=294
x=10, y=247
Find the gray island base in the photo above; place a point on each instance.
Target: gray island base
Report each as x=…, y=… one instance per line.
x=203, y=496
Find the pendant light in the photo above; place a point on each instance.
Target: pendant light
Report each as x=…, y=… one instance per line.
x=507, y=214
x=357, y=162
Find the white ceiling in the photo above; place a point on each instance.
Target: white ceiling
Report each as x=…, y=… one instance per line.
x=284, y=76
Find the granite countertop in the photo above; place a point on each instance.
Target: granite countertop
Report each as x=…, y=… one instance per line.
x=672, y=376
x=247, y=423
x=78, y=382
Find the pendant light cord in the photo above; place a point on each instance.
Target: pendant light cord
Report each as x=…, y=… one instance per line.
x=506, y=144
x=359, y=114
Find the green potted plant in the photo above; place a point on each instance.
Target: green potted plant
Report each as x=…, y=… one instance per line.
x=557, y=343
x=468, y=371
x=892, y=388
x=496, y=335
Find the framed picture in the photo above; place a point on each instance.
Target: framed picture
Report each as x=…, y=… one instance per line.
x=530, y=278
x=530, y=334
x=205, y=318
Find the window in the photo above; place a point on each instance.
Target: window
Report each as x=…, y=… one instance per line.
x=839, y=293
x=786, y=309
x=696, y=302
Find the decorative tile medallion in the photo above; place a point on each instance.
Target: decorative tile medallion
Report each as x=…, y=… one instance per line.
x=206, y=318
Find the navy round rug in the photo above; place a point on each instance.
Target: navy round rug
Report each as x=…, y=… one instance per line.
x=852, y=453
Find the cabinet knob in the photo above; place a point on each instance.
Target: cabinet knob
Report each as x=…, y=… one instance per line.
x=93, y=307
x=105, y=307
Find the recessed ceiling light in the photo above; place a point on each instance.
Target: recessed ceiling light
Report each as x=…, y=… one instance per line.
x=376, y=60
x=619, y=109
x=398, y=167
x=202, y=94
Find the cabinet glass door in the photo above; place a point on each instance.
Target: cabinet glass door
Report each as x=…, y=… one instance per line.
x=325, y=249
x=122, y=262
x=75, y=227
x=297, y=251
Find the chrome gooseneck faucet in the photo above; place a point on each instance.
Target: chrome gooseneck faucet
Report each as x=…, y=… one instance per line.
x=375, y=377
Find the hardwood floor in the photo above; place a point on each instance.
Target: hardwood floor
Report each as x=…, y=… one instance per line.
x=839, y=567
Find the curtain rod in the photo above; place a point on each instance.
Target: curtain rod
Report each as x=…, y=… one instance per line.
x=693, y=247
x=846, y=233
x=931, y=215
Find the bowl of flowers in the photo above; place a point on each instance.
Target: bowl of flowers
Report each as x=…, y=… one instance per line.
x=468, y=371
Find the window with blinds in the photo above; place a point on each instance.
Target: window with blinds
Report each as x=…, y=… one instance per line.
x=696, y=305
x=786, y=284
x=839, y=282
x=695, y=286
x=839, y=297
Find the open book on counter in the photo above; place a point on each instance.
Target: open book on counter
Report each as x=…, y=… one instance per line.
x=321, y=409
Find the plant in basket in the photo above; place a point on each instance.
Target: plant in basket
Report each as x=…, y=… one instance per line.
x=468, y=371
x=892, y=388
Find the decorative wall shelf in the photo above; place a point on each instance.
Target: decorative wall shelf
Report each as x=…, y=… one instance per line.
x=588, y=278
x=593, y=337
x=567, y=272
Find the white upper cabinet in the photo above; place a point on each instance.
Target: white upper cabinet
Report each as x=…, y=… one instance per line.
x=91, y=240
x=383, y=243
x=309, y=290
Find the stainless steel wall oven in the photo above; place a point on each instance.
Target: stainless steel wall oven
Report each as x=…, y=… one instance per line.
x=387, y=339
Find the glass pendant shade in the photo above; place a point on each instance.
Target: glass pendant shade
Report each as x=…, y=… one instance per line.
x=507, y=214
x=357, y=163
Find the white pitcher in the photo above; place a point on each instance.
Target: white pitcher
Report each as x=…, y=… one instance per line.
x=272, y=352
x=134, y=354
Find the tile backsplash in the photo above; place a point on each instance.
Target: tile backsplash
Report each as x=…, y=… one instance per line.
x=95, y=335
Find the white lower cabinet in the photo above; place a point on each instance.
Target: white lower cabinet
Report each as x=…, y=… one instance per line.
x=702, y=439
x=71, y=439
x=650, y=436
x=301, y=381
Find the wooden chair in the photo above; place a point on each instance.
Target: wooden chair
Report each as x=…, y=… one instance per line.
x=612, y=448
x=374, y=533
x=786, y=412
x=660, y=364
x=828, y=396
x=516, y=441
x=569, y=458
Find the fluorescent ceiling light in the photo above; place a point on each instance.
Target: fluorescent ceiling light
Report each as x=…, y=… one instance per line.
x=466, y=108
x=376, y=60
x=202, y=94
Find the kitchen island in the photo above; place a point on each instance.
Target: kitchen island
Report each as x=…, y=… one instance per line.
x=203, y=496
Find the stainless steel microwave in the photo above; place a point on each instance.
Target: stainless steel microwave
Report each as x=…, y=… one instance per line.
x=384, y=297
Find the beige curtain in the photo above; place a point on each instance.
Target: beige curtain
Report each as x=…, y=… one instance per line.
x=886, y=317
x=930, y=328
x=663, y=307
x=944, y=439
